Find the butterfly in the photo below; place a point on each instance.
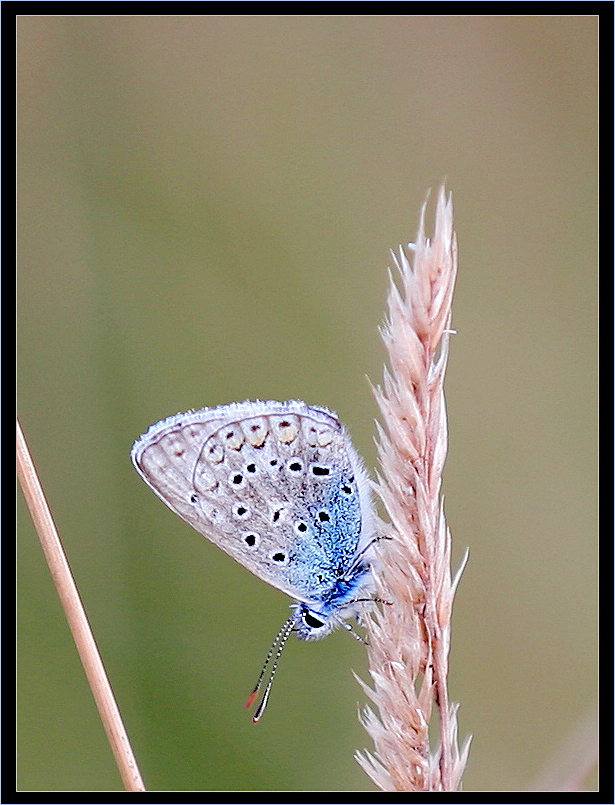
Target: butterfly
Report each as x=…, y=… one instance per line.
x=280, y=488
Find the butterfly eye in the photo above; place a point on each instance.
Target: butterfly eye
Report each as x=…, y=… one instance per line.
x=319, y=471
x=294, y=466
x=241, y=511
x=310, y=620
x=301, y=527
x=323, y=516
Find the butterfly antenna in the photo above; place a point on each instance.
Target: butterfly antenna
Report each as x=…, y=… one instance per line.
x=275, y=651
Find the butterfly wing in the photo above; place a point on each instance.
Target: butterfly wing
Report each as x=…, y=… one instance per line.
x=277, y=486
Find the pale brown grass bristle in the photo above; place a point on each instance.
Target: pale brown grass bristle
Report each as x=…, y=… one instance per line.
x=409, y=641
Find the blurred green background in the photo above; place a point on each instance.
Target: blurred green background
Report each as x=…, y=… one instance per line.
x=206, y=205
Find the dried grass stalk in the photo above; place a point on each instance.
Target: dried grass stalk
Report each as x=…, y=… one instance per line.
x=76, y=617
x=409, y=640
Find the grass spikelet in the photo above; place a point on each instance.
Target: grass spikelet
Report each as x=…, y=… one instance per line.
x=409, y=640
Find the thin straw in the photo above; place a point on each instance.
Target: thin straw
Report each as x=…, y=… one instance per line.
x=76, y=617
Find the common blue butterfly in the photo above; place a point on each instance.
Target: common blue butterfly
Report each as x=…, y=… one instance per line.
x=280, y=488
